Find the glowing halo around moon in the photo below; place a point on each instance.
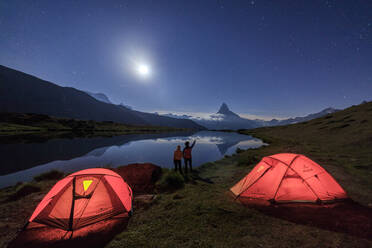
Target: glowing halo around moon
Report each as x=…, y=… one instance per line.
x=143, y=70
x=137, y=63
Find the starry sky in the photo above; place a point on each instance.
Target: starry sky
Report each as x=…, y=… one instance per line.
x=263, y=58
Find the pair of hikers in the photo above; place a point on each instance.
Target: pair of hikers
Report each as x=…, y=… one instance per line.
x=185, y=154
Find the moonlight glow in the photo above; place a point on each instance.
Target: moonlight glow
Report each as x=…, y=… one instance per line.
x=143, y=70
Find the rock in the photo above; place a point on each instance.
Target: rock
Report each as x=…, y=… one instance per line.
x=140, y=177
x=145, y=198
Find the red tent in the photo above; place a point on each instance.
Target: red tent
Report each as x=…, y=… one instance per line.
x=288, y=177
x=84, y=198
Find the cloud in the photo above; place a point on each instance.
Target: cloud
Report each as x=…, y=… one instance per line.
x=212, y=116
x=262, y=117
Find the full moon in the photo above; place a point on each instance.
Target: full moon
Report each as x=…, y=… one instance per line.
x=143, y=70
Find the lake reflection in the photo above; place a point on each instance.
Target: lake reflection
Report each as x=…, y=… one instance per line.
x=70, y=155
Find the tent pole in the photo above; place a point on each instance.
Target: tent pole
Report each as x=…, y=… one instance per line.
x=25, y=226
x=285, y=173
x=71, y=220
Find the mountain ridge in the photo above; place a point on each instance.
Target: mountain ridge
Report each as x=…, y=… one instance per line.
x=24, y=93
x=99, y=96
x=224, y=109
x=225, y=118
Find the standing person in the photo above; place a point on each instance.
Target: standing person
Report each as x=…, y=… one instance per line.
x=177, y=159
x=187, y=154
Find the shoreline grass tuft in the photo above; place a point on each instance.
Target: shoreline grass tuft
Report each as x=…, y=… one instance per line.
x=50, y=175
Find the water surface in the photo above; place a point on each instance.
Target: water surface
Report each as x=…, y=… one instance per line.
x=21, y=162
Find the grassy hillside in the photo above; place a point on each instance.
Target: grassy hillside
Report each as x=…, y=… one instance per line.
x=204, y=214
x=342, y=142
x=16, y=123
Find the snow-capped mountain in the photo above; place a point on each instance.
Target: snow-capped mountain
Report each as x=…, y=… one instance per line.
x=275, y=122
x=224, y=118
x=99, y=96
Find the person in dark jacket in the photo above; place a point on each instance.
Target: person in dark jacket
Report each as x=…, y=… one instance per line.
x=187, y=154
x=177, y=157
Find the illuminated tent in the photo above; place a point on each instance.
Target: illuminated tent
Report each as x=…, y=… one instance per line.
x=288, y=177
x=84, y=198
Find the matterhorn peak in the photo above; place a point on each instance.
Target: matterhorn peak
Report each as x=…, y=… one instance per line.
x=224, y=109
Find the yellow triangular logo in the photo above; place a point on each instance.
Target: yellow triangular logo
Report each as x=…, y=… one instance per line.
x=86, y=184
x=260, y=168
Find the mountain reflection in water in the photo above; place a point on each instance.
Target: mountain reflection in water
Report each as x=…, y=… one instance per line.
x=21, y=162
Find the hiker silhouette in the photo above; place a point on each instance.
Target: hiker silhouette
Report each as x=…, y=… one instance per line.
x=187, y=157
x=177, y=157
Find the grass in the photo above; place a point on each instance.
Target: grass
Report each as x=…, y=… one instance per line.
x=16, y=124
x=204, y=215
x=50, y=175
x=11, y=128
x=170, y=181
x=341, y=142
x=247, y=159
x=23, y=190
x=17, y=204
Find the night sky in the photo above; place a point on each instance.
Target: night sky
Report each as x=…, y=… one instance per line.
x=266, y=58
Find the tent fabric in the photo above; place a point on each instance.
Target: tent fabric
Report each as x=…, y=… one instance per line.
x=288, y=177
x=96, y=171
x=84, y=198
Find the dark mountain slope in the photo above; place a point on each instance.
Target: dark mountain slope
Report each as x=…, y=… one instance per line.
x=99, y=96
x=159, y=120
x=275, y=122
x=23, y=93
